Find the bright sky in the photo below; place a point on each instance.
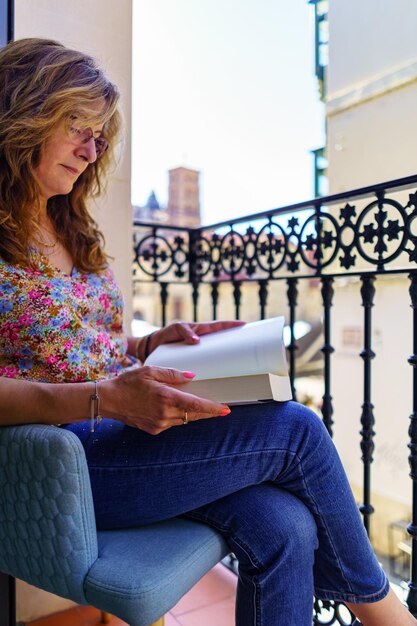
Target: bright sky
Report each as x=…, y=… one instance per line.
x=226, y=87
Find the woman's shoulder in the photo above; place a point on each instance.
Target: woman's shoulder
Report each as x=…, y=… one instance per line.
x=22, y=277
x=8, y=269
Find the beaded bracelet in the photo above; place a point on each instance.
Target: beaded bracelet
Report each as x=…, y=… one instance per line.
x=95, y=417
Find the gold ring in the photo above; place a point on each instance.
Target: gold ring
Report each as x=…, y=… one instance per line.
x=185, y=419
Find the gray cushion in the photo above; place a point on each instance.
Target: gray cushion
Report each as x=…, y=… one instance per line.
x=142, y=572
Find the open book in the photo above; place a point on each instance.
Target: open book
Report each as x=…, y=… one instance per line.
x=242, y=365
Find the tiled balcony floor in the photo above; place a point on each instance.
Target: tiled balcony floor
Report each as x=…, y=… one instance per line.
x=211, y=601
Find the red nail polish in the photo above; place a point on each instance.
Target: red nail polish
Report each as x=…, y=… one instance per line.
x=189, y=374
x=225, y=411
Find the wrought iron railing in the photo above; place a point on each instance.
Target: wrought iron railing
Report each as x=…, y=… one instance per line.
x=367, y=233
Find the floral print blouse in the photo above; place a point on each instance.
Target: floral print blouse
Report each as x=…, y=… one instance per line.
x=56, y=327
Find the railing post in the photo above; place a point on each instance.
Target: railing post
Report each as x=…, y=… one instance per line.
x=194, y=280
x=164, y=301
x=412, y=528
x=237, y=297
x=195, y=297
x=215, y=298
x=367, y=418
x=292, y=293
x=263, y=296
x=327, y=292
x=7, y=600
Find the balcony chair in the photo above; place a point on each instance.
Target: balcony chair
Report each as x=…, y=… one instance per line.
x=48, y=535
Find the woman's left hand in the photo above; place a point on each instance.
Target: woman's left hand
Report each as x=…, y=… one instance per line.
x=188, y=332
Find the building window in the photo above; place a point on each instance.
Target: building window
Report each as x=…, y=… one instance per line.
x=321, y=40
x=321, y=181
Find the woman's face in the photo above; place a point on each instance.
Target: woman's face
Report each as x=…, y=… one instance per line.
x=63, y=159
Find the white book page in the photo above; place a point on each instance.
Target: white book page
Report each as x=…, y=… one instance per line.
x=255, y=348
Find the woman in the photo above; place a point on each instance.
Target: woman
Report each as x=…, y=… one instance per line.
x=267, y=477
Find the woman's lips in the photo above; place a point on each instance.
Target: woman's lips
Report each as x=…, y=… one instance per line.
x=71, y=170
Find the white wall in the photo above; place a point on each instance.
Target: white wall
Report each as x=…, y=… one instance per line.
x=101, y=28
x=374, y=141
x=391, y=391
x=371, y=102
x=369, y=39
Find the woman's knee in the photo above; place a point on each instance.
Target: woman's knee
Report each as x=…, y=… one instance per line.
x=294, y=522
x=265, y=521
x=300, y=415
x=301, y=528
x=297, y=421
x=274, y=527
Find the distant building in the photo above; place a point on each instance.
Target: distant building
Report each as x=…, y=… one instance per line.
x=184, y=197
x=151, y=211
x=183, y=201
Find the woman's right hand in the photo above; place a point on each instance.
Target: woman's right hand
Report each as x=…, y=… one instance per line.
x=150, y=398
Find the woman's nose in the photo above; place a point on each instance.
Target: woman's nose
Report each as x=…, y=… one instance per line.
x=87, y=150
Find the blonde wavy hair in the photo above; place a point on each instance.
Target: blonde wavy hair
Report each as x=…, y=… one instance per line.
x=44, y=84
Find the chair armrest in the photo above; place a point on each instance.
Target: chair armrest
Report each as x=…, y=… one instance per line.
x=48, y=534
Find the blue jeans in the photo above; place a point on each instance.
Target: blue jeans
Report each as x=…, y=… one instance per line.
x=268, y=477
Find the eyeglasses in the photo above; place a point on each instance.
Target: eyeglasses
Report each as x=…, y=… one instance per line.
x=79, y=137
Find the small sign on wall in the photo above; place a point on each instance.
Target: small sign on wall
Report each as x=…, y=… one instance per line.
x=352, y=339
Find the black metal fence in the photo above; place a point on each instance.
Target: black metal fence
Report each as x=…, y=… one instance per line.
x=367, y=233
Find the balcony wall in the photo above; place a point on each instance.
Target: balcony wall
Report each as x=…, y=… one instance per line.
x=371, y=95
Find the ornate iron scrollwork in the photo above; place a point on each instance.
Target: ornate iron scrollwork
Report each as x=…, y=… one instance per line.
x=157, y=254
x=327, y=612
x=323, y=237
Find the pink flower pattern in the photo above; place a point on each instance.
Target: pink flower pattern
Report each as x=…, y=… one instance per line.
x=56, y=327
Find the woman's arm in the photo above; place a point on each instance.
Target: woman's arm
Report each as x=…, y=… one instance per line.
x=24, y=402
x=149, y=398
x=135, y=347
